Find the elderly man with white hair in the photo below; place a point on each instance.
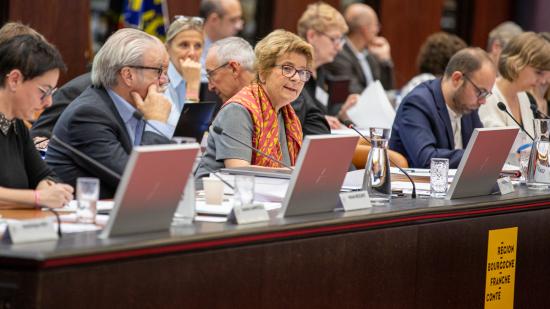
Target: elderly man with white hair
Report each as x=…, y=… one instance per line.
x=107, y=119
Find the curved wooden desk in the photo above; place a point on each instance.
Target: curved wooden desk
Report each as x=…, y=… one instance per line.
x=415, y=253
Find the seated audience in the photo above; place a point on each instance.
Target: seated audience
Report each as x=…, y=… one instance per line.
x=29, y=70
x=432, y=59
x=524, y=63
x=128, y=73
x=365, y=57
x=230, y=67
x=260, y=114
x=184, y=42
x=222, y=19
x=324, y=27
x=437, y=118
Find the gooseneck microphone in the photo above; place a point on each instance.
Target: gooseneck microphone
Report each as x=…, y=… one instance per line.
x=139, y=116
x=84, y=157
x=413, y=193
x=220, y=131
x=503, y=108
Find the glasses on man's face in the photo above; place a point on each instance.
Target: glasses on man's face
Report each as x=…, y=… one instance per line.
x=210, y=73
x=335, y=40
x=289, y=71
x=46, y=92
x=481, y=93
x=199, y=21
x=160, y=70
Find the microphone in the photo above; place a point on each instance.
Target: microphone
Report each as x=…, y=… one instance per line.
x=139, y=116
x=503, y=108
x=536, y=112
x=220, y=131
x=86, y=158
x=413, y=193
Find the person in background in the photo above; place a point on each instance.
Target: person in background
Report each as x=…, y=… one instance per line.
x=523, y=64
x=230, y=67
x=260, y=114
x=432, y=59
x=437, y=118
x=184, y=43
x=499, y=38
x=324, y=27
x=541, y=93
x=366, y=56
x=29, y=70
x=222, y=19
x=107, y=119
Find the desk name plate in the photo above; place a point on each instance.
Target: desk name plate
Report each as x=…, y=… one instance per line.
x=355, y=200
x=22, y=231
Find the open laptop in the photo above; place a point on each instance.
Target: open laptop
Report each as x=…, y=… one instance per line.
x=482, y=162
x=150, y=189
x=195, y=119
x=319, y=173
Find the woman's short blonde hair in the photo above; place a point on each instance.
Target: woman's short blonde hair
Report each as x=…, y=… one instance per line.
x=184, y=23
x=276, y=44
x=321, y=17
x=525, y=49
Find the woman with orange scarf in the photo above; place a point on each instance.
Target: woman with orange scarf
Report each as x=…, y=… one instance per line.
x=260, y=114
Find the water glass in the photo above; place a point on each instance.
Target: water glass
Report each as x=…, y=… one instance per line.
x=439, y=172
x=87, y=194
x=244, y=190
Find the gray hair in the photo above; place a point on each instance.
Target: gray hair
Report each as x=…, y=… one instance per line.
x=124, y=48
x=503, y=33
x=237, y=49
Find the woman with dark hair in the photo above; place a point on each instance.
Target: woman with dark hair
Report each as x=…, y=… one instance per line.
x=29, y=69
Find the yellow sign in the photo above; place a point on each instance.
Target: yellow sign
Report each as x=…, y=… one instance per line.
x=501, y=268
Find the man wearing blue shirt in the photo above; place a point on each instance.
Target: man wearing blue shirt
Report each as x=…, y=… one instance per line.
x=437, y=118
x=106, y=120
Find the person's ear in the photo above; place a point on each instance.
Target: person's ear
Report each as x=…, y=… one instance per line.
x=127, y=76
x=235, y=67
x=310, y=35
x=456, y=78
x=13, y=79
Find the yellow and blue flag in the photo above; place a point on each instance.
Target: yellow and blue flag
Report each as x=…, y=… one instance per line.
x=147, y=15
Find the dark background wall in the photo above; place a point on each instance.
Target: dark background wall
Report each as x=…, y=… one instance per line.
x=405, y=24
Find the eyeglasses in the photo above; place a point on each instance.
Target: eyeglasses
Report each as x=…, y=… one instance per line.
x=160, y=70
x=199, y=21
x=289, y=71
x=210, y=73
x=481, y=93
x=336, y=41
x=46, y=92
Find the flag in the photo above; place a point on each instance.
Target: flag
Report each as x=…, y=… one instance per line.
x=147, y=15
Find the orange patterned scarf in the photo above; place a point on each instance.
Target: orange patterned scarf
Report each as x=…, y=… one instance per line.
x=266, y=127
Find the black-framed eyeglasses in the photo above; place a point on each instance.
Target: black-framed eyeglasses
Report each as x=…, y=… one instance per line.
x=336, y=41
x=210, y=73
x=160, y=70
x=289, y=71
x=46, y=92
x=481, y=93
x=199, y=21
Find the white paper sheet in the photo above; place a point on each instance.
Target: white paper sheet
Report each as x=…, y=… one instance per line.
x=373, y=109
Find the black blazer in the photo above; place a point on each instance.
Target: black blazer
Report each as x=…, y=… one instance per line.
x=312, y=118
x=346, y=65
x=91, y=124
x=43, y=126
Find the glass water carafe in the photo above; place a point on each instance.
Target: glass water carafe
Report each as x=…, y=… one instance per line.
x=538, y=171
x=377, y=180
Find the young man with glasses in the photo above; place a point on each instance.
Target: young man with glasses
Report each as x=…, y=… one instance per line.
x=437, y=118
x=107, y=119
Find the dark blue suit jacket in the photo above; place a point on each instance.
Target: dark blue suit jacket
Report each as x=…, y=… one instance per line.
x=92, y=124
x=422, y=127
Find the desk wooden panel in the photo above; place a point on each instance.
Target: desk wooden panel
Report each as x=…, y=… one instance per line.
x=414, y=254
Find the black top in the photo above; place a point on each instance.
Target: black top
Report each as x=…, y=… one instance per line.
x=20, y=163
